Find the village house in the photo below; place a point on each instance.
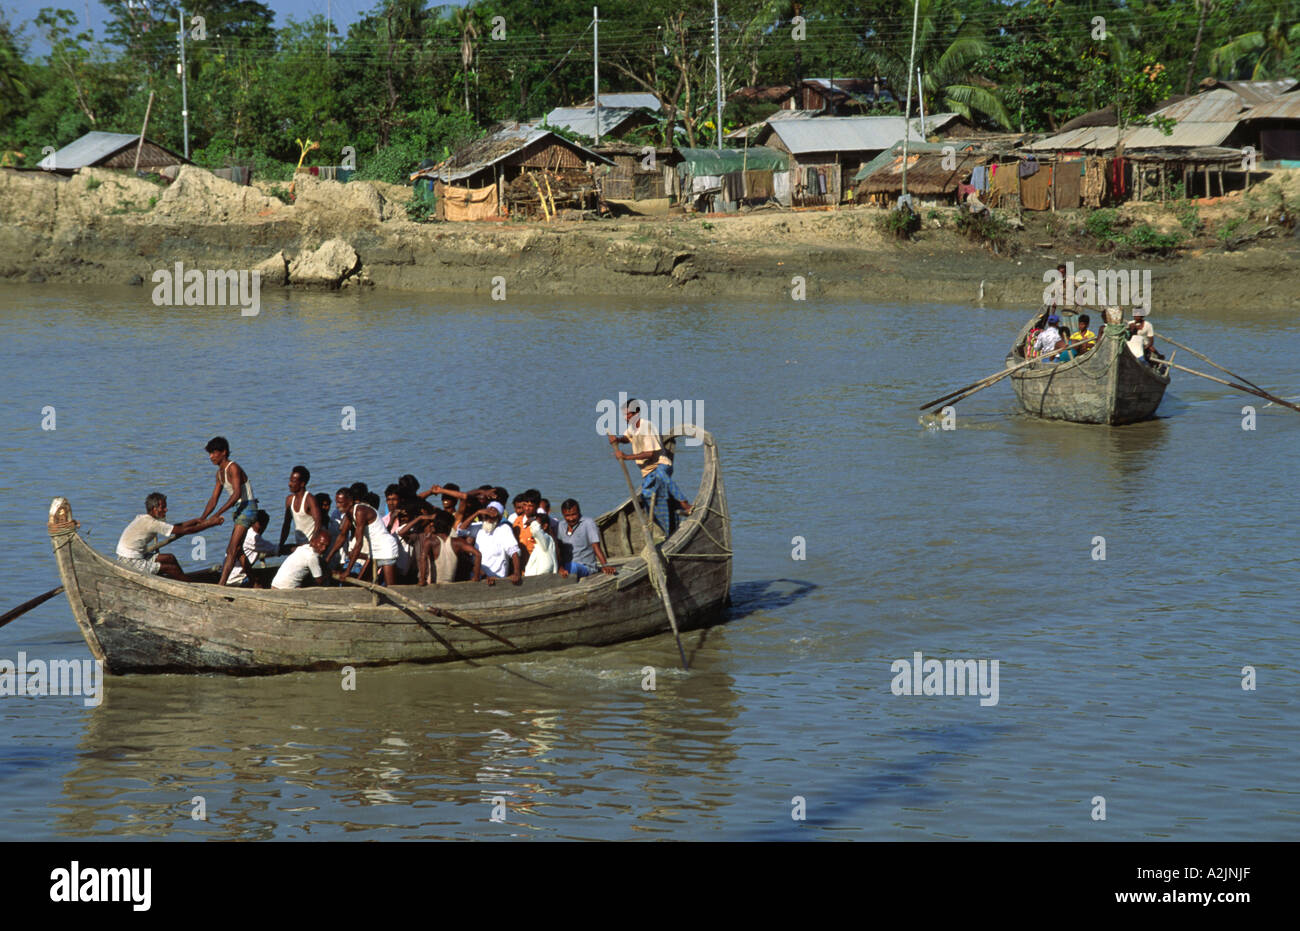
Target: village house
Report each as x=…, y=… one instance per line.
x=516, y=171
x=112, y=150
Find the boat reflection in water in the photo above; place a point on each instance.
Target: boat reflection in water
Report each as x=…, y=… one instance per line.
x=414, y=752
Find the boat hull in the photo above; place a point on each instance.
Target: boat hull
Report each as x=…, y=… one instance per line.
x=150, y=624
x=1107, y=385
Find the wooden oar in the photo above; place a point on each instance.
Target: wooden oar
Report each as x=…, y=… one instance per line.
x=991, y=379
x=399, y=599
x=28, y=605
x=656, y=564
x=1247, y=381
x=1262, y=394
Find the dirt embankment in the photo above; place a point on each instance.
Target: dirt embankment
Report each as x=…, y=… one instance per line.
x=103, y=226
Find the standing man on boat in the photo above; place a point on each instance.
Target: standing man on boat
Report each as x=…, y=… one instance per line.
x=1141, y=339
x=132, y=546
x=648, y=451
x=234, y=481
x=301, y=509
x=363, y=522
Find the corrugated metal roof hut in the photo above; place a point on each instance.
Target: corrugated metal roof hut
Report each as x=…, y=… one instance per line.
x=518, y=169
x=615, y=122
x=111, y=150
x=1274, y=127
x=827, y=152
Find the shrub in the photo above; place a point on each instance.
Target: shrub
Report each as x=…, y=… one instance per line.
x=1189, y=215
x=899, y=224
x=1100, y=225
x=282, y=193
x=92, y=183
x=1145, y=238
x=987, y=229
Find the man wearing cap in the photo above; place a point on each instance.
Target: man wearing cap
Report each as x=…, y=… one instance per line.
x=496, y=545
x=1049, y=337
x=1141, y=335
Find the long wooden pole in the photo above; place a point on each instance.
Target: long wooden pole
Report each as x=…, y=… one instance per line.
x=1207, y=359
x=1263, y=394
x=28, y=605
x=143, y=130
x=992, y=379
x=399, y=599
x=657, y=556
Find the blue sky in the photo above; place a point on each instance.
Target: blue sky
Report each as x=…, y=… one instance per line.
x=344, y=12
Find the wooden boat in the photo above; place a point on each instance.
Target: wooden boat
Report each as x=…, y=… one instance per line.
x=1106, y=385
x=140, y=623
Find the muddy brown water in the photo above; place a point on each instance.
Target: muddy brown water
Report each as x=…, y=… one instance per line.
x=1119, y=677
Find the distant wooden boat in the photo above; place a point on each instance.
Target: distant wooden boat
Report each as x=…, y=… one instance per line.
x=1106, y=385
x=140, y=623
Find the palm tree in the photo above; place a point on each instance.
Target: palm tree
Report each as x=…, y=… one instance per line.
x=1270, y=47
x=948, y=44
x=465, y=20
x=13, y=86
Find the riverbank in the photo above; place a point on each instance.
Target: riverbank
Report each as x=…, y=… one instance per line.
x=103, y=227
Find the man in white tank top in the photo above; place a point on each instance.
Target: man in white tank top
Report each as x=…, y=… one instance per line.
x=234, y=481
x=366, y=527
x=300, y=509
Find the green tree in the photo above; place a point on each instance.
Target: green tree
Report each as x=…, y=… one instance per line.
x=1259, y=53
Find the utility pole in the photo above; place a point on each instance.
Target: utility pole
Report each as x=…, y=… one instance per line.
x=595, y=67
x=185, y=107
x=907, y=110
x=329, y=14
x=717, y=70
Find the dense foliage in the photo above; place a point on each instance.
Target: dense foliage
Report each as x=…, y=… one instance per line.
x=411, y=81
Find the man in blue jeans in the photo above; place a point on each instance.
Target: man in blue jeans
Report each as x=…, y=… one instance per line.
x=648, y=451
x=581, y=552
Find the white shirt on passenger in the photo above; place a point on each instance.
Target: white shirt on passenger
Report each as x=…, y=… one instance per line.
x=1047, y=339
x=142, y=531
x=255, y=547
x=1139, y=341
x=541, y=560
x=497, y=548
x=296, y=567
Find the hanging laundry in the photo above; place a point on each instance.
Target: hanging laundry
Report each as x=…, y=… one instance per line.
x=758, y=184
x=781, y=187
x=1069, y=181
x=1036, y=190
x=979, y=178
x=1028, y=166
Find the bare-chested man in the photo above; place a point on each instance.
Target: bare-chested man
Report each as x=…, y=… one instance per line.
x=234, y=481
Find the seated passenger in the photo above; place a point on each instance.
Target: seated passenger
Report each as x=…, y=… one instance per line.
x=1049, y=338
x=1068, y=353
x=256, y=547
x=1084, y=336
x=304, y=562
x=541, y=555
x=581, y=552
x=149, y=526
x=496, y=545
x=1141, y=335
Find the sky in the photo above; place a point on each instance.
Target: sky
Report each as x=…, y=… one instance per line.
x=345, y=12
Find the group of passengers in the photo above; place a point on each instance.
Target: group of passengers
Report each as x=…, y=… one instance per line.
x=1052, y=340
x=465, y=536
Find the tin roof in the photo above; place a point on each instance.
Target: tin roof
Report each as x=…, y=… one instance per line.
x=1100, y=138
x=1285, y=107
x=635, y=100
x=582, y=120
x=1254, y=93
x=1216, y=106
x=848, y=133
x=93, y=148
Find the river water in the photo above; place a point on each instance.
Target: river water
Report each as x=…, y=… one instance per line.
x=1119, y=678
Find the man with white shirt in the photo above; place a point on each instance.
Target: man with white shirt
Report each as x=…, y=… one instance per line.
x=132, y=546
x=304, y=563
x=496, y=544
x=1141, y=335
x=256, y=546
x=1049, y=339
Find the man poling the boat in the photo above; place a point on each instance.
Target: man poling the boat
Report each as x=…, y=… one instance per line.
x=657, y=485
x=134, y=544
